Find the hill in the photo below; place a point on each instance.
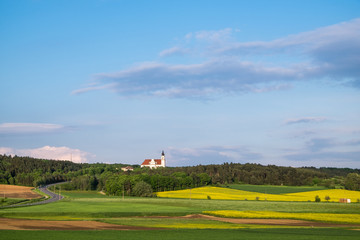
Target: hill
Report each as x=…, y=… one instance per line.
x=110, y=179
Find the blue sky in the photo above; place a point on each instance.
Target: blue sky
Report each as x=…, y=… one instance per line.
x=269, y=82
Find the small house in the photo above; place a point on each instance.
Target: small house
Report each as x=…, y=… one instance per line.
x=126, y=169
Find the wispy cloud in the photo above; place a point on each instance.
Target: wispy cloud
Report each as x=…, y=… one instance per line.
x=228, y=66
x=48, y=152
x=93, y=88
x=328, y=158
x=211, y=155
x=318, y=144
x=24, y=128
x=211, y=35
x=197, y=80
x=305, y=120
x=323, y=151
x=173, y=51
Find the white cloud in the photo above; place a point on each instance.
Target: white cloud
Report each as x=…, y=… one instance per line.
x=173, y=51
x=29, y=127
x=305, y=120
x=227, y=66
x=92, y=88
x=48, y=152
x=214, y=35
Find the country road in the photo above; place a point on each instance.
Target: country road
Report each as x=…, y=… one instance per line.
x=53, y=197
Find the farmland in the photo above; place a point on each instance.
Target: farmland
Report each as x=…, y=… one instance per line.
x=234, y=194
x=195, y=218
x=250, y=234
x=274, y=189
x=11, y=191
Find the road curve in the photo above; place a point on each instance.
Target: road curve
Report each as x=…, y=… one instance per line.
x=53, y=197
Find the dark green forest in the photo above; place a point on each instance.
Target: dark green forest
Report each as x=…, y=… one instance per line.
x=110, y=179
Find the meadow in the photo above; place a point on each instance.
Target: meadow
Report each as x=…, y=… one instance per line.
x=167, y=215
x=249, y=234
x=91, y=205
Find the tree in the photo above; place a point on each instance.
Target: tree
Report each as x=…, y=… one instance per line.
x=317, y=198
x=352, y=181
x=142, y=189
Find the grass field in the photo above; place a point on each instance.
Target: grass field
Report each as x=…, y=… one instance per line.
x=131, y=211
x=249, y=234
x=109, y=207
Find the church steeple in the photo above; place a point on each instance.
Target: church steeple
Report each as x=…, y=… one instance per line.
x=163, y=159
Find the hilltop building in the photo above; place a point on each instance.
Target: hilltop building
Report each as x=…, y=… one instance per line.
x=155, y=163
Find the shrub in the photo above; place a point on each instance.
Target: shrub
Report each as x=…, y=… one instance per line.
x=317, y=198
x=208, y=197
x=143, y=189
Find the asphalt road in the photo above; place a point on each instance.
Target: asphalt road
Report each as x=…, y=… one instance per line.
x=53, y=197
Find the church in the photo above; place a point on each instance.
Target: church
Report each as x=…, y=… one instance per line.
x=155, y=163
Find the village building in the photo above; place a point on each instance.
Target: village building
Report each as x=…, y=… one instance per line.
x=126, y=169
x=155, y=163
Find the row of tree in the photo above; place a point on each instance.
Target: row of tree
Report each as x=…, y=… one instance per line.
x=110, y=179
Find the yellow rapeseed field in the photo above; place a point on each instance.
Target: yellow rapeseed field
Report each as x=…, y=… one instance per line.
x=334, y=194
x=323, y=217
x=233, y=194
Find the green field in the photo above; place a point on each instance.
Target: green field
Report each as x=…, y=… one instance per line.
x=106, y=207
x=249, y=234
x=130, y=211
x=271, y=189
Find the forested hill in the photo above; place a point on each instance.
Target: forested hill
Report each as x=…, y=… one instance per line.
x=34, y=172
x=109, y=177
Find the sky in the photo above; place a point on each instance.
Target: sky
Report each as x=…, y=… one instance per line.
x=267, y=82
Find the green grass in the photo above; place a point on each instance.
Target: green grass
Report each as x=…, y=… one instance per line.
x=94, y=206
x=172, y=223
x=116, y=207
x=85, y=194
x=271, y=189
x=249, y=234
x=11, y=201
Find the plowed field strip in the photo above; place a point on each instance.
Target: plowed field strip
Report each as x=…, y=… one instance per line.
x=21, y=224
x=12, y=191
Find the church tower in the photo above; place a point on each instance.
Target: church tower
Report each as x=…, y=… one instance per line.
x=163, y=159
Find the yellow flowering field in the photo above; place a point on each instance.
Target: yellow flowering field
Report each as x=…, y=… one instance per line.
x=323, y=217
x=233, y=194
x=334, y=194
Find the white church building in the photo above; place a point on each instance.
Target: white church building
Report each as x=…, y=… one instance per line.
x=155, y=163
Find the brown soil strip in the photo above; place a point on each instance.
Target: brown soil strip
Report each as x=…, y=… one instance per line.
x=22, y=224
x=11, y=191
x=279, y=222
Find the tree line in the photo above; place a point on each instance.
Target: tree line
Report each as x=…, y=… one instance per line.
x=110, y=179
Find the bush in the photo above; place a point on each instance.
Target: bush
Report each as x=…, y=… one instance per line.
x=142, y=189
x=208, y=197
x=352, y=182
x=317, y=198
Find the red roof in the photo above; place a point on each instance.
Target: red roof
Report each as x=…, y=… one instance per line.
x=147, y=162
